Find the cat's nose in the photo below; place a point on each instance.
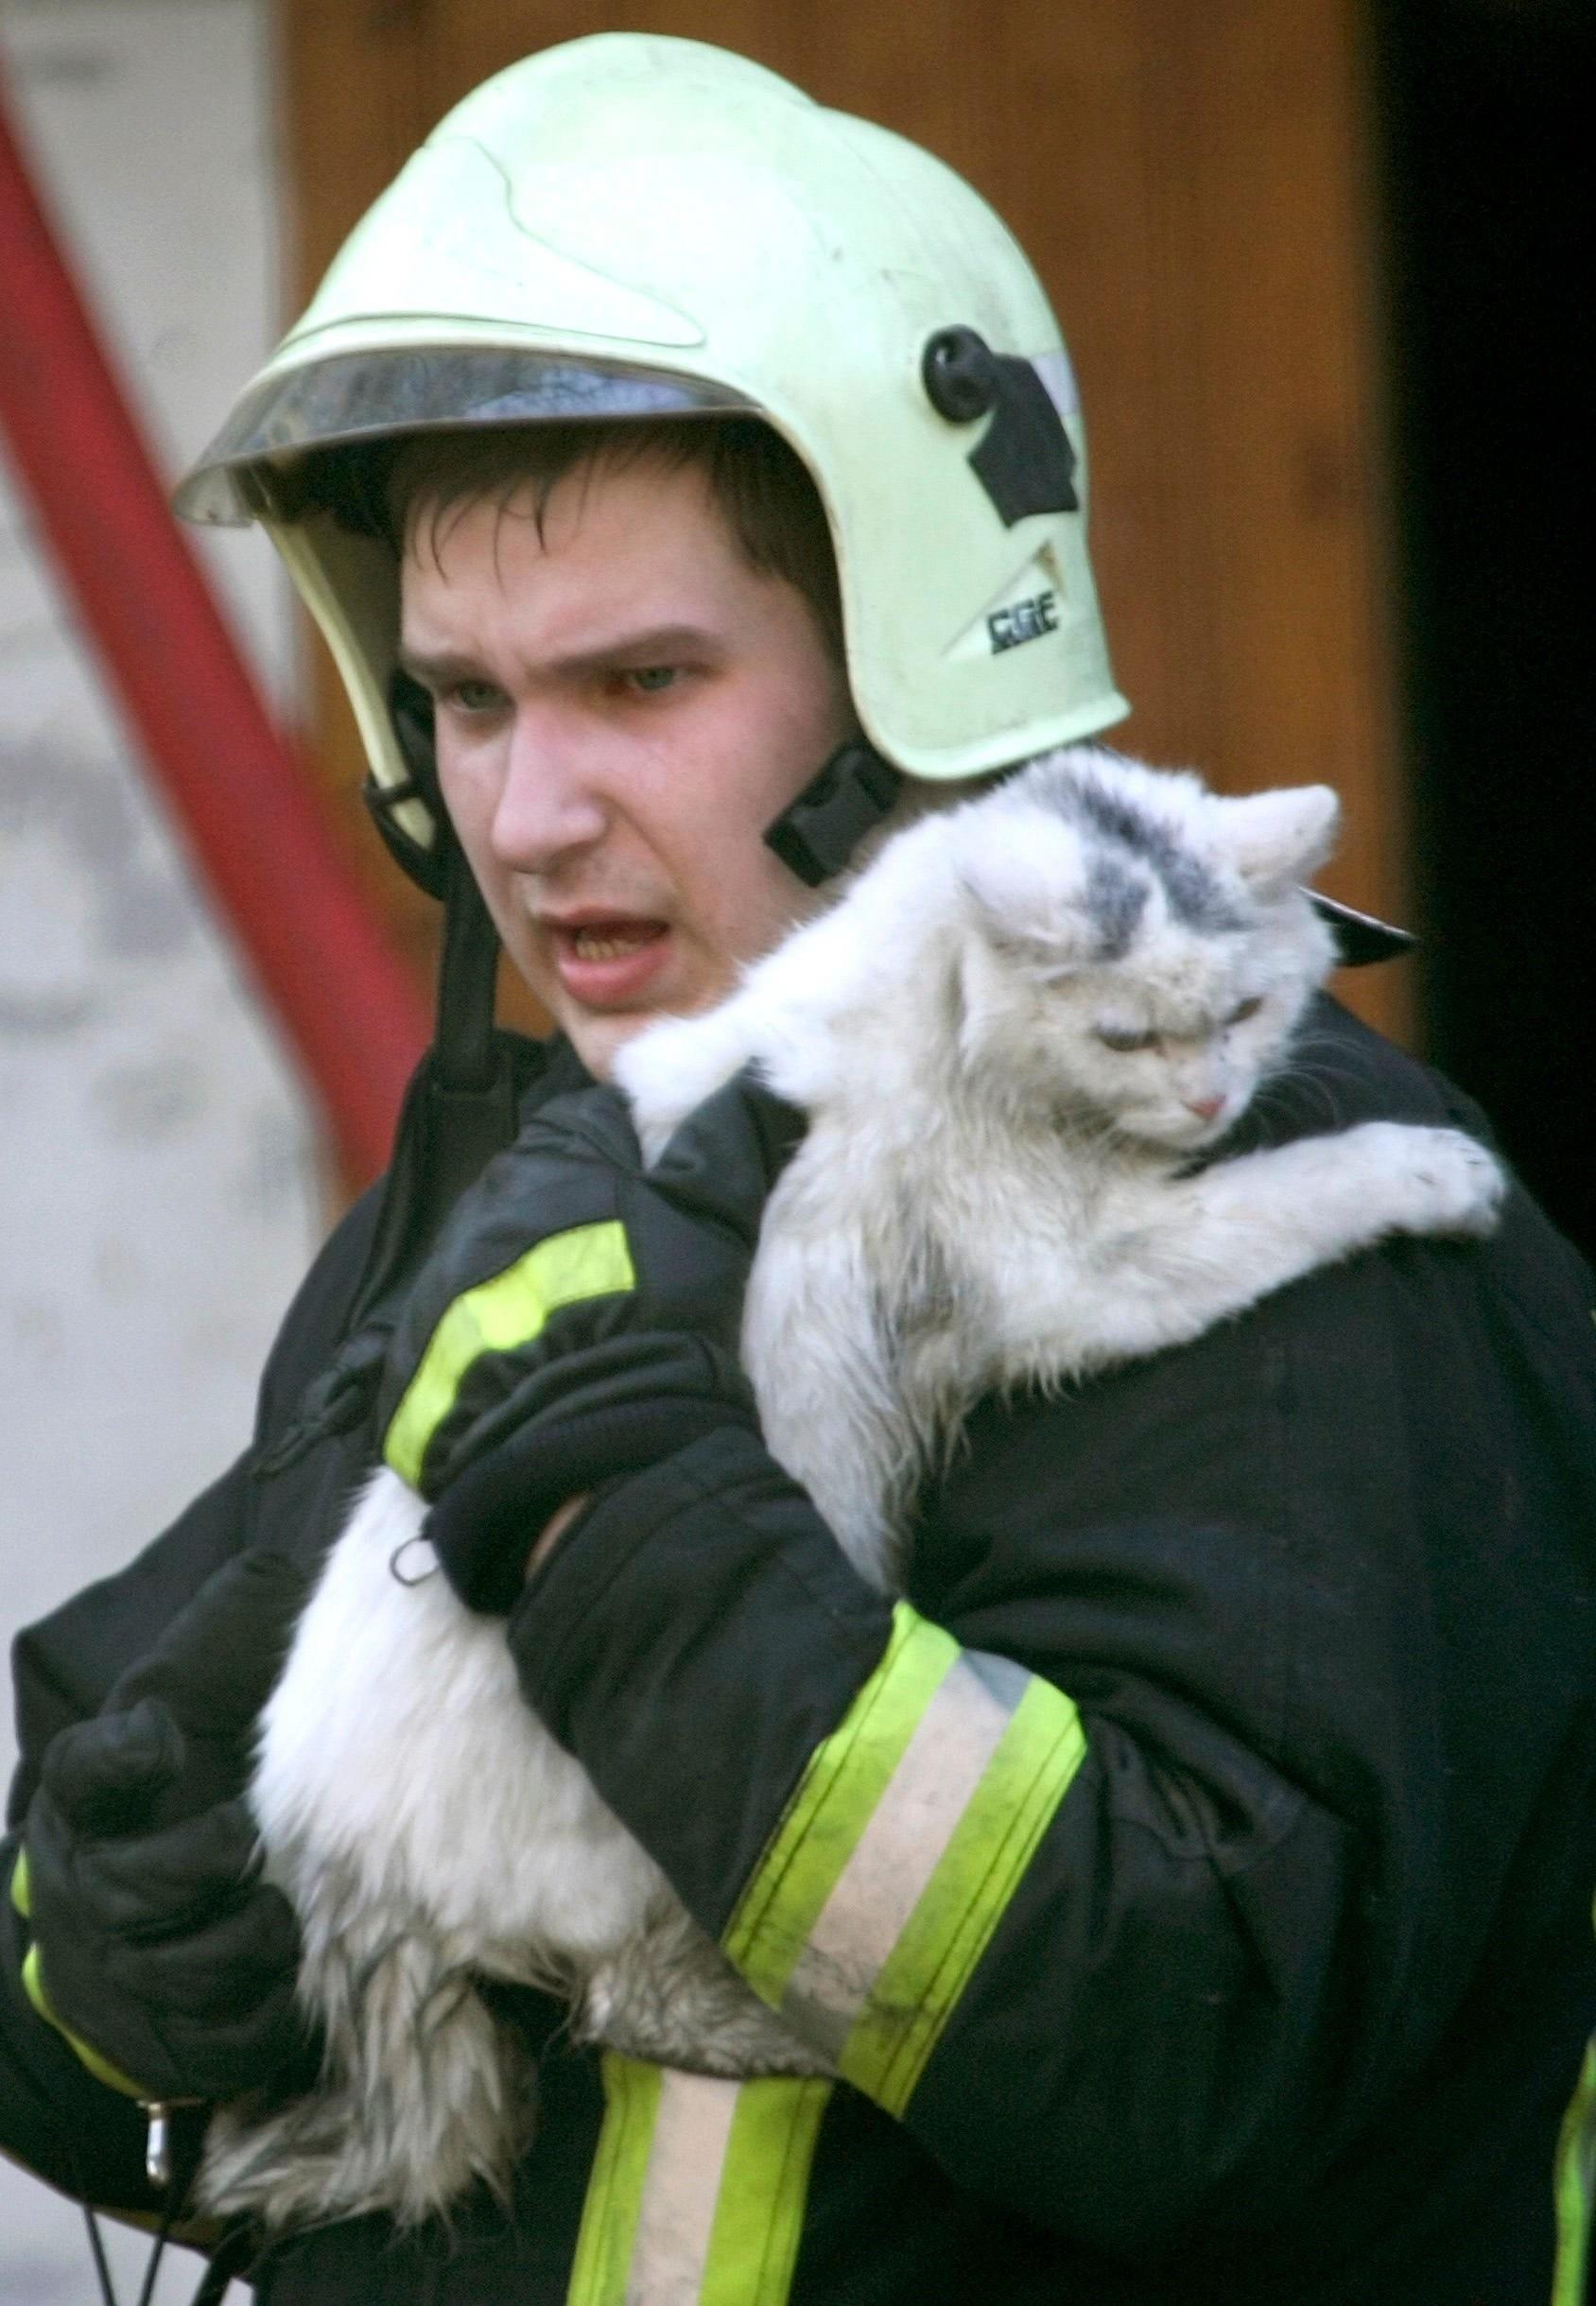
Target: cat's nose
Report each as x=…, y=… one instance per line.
x=1205, y=1108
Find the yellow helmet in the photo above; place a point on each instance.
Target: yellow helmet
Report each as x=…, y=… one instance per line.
x=634, y=226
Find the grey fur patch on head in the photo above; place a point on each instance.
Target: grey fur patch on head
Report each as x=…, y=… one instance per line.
x=1194, y=897
x=1116, y=898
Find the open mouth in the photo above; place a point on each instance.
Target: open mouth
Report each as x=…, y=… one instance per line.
x=614, y=939
x=613, y=962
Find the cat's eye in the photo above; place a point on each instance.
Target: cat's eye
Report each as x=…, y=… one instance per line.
x=1243, y=1010
x=1124, y=1044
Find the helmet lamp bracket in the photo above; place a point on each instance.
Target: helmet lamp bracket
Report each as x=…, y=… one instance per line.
x=1024, y=460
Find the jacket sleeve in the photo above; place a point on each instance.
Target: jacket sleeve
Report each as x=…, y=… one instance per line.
x=55, y=2116
x=1144, y=1850
x=55, y=2119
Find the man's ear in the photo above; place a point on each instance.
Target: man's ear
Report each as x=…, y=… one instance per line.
x=1275, y=840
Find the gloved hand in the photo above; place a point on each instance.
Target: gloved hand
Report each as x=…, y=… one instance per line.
x=157, y=1950
x=578, y=1319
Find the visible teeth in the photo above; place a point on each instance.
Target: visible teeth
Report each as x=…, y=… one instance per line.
x=608, y=944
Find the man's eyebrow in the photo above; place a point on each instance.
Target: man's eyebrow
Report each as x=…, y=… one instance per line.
x=426, y=666
x=652, y=644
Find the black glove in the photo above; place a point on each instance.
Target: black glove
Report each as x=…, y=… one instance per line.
x=157, y=1950
x=580, y=1319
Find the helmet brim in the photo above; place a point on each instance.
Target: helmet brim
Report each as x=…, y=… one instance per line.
x=359, y=396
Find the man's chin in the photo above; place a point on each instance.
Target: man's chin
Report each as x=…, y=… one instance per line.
x=599, y=1034
x=599, y=1037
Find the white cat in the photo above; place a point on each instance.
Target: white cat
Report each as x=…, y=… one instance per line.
x=1015, y=1038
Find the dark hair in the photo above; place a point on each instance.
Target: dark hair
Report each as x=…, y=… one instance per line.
x=759, y=485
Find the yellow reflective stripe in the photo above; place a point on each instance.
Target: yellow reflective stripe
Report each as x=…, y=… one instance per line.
x=498, y=1316
x=21, y=1896
x=102, y=2069
x=764, y=2189
x=847, y=1775
x=698, y=2188
x=615, y=2191
x=1575, y=2187
x=908, y=1834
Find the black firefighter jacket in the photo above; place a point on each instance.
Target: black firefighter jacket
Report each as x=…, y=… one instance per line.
x=1192, y=1876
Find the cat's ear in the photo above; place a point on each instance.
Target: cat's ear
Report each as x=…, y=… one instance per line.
x=1016, y=901
x=1278, y=838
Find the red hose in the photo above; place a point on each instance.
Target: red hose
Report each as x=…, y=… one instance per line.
x=343, y=998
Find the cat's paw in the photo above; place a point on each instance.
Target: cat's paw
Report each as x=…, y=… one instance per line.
x=1441, y=1181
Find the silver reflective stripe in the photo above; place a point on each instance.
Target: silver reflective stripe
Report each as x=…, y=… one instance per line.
x=902, y=1844
x=676, y=2216
x=698, y=2188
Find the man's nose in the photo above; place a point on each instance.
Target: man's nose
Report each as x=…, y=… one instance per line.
x=549, y=803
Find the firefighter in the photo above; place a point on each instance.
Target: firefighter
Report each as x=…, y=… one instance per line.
x=1189, y=1880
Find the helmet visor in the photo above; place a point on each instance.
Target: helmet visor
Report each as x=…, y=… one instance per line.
x=360, y=396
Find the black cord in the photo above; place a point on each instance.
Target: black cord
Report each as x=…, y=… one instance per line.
x=177, y=2196
x=163, y=2235
x=102, y=2266
x=234, y=2254
x=52, y=2122
x=158, y=2250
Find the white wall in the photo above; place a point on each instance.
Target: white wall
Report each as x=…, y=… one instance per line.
x=155, y=1153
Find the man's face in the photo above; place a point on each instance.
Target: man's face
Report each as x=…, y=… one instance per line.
x=623, y=704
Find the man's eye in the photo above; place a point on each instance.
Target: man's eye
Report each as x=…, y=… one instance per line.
x=650, y=680
x=472, y=695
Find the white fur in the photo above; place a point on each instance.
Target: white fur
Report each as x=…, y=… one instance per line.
x=428, y=1831
x=988, y=1196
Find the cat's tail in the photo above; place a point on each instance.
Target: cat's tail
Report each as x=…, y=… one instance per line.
x=438, y=2095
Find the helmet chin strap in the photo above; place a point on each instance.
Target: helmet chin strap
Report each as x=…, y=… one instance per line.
x=816, y=834
x=461, y=1109
x=464, y=1055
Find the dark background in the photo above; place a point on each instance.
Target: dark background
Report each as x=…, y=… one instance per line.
x=1484, y=119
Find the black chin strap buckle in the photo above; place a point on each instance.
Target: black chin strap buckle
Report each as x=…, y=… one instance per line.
x=817, y=834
